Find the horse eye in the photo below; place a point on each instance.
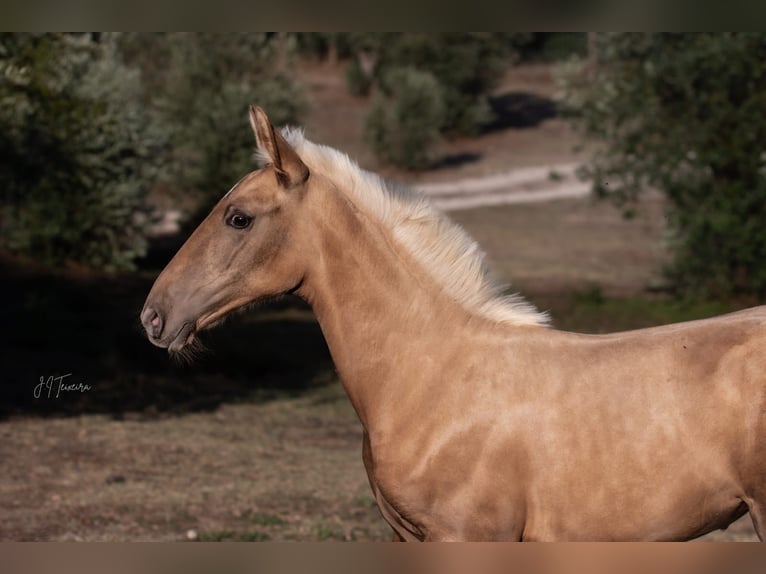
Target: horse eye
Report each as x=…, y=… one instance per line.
x=239, y=221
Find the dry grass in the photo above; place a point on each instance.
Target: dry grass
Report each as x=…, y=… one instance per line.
x=284, y=469
x=572, y=245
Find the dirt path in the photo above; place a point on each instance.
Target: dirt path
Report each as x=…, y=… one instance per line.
x=523, y=185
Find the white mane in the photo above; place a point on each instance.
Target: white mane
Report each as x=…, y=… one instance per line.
x=444, y=250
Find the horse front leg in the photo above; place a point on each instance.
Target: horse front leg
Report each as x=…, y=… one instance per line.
x=758, y=516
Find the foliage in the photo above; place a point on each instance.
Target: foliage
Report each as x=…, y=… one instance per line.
x=405, y=117
x=210, y=81
x=684, y=113
x=552, y=46
x=466, y=67
x=313, y=45
x=76, y=150
x=90, y=122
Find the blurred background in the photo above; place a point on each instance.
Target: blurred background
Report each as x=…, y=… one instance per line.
x=615, y=180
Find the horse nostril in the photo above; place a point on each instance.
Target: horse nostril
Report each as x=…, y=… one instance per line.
x=152, y=322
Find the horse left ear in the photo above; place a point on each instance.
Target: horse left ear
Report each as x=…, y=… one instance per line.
x=290, y=169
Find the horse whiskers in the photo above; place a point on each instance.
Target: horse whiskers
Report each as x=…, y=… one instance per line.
x=190, y=352
x=195, y=349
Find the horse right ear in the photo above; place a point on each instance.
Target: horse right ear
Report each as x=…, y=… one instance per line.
x=290, y=169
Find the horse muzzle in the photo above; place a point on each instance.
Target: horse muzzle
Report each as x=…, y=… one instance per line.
x=160, y=335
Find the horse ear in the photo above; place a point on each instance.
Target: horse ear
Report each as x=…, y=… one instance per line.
x=290, y=169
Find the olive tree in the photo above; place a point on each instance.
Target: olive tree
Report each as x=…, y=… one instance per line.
x=685, y=114
x=77, y=151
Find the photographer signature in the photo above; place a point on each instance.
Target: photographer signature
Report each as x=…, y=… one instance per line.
x=47, y=386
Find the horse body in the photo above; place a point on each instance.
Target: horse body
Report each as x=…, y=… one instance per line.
x=584, y=449
x=481, y=423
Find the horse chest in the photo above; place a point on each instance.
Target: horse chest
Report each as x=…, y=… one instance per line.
x=388, y=506
x=441, y=500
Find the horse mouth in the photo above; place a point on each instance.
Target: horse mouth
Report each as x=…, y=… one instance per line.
x=184, y=336
x=186, y=333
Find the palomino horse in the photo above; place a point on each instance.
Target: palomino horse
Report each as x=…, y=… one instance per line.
x=480, y=422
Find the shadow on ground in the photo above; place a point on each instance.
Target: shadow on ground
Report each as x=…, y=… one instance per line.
x=86, y=324
x=519, y=110
x=454, y=160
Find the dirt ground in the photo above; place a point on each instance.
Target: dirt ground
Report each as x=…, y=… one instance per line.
x=287, y=469
x=282, y=461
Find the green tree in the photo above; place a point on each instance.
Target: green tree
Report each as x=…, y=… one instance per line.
x=202, y=104
x=76, y=150
x=466, y=67
x=405, y=117
x=686, y=114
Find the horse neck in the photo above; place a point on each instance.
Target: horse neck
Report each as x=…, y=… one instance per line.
x=381, y=314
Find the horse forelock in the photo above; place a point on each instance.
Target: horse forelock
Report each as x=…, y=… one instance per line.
x=442, y=247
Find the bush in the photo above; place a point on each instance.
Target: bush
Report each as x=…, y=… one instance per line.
x=405, y=118
x=76, y=152
x=468, y=67
x=464, y=66
x=684, y=113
